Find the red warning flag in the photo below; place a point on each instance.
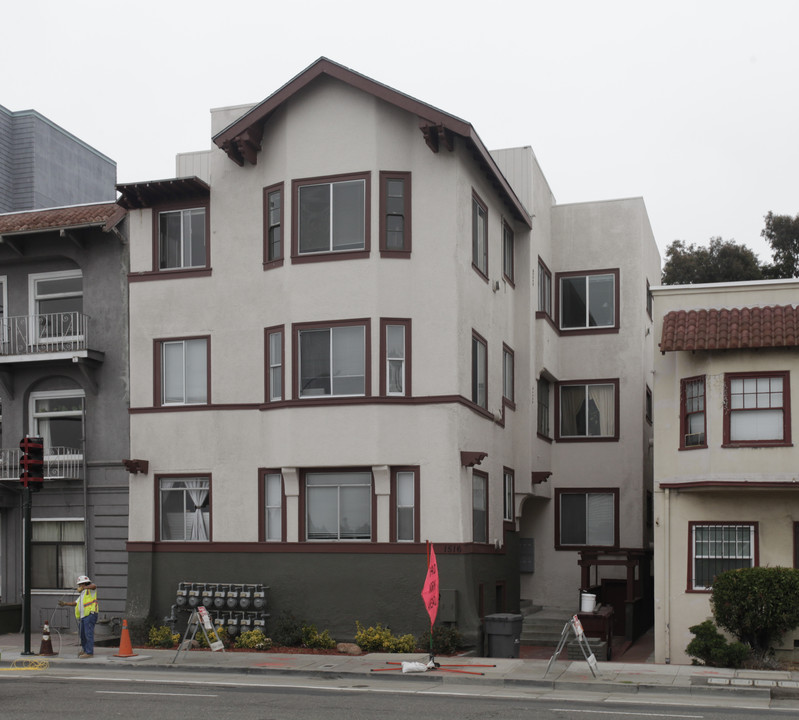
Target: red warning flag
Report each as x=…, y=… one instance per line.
x=430, y=590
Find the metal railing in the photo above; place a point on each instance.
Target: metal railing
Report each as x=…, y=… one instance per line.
x=60, y=463
x=47, y=333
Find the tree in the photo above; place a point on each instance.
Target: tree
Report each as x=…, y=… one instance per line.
x=721, y=261
x=757, y=605
x=782, y=233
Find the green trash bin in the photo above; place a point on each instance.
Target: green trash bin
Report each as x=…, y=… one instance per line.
x=504, y=633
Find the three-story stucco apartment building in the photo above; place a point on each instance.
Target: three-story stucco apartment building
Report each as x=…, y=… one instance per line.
x=353, y=329
x=726, y=475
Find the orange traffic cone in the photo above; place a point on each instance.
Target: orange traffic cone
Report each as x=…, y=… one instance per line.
x=46, y=647
x=125, y=649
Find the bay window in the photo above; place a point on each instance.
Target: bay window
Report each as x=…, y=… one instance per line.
x=332, y=359
x=338, y=505
x=331, y=215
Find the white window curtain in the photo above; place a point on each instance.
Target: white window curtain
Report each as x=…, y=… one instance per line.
x=602, y=397
x=198, y=492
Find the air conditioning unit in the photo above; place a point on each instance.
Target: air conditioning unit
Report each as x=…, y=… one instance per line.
x=694, y=439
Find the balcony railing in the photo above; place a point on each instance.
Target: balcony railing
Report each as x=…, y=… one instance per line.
x=60, y=463
x=47, y=333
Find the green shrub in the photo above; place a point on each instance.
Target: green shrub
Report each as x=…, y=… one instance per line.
x=162, y=637
x=312, y=638
x=757, y=605
x=447, y=640
x=253, y=640
x=381, y=639
x=710, y=647
x=287, y=631
x=218, y=633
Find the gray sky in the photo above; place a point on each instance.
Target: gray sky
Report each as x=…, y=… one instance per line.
x=691, y=104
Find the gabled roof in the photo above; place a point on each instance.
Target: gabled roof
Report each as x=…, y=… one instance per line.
x=731, y=329
x=242, y=139
x=103, y=215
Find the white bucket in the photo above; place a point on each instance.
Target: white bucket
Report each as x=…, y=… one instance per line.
x=587, y=602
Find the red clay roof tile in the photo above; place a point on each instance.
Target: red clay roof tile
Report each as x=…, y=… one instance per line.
x=731, y=328
x=105, y=214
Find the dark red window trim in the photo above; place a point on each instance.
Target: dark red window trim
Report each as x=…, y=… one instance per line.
x=366, y=323
x=582, y=491
x=511, y=278
x=484, y=475
x=509, y=524
x=277, y=261
x=684, y=411
x=477, y=200
x=296, y=257
x=690, y=564
x=384, y=323
x=393, y=504
x=589, y=330
x=171, y=273
x=157, y=364
x=182, y=476
x=616, y=409
x=385, y=176
x=262, y=473
x=786, y=410
x=267, y=364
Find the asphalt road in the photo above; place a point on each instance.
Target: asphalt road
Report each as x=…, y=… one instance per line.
x=146, y=696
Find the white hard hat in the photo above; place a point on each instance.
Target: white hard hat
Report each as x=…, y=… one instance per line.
x=83, y=580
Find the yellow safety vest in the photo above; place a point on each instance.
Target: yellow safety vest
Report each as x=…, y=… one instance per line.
x=87, y=603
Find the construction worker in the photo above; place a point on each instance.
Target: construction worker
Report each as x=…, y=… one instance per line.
x=86, y=609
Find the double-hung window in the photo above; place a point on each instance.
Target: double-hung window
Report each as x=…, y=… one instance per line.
x=395, y=339
x=332, y=359
x=405, y=505
x=182, y=239
x=544, y=289
x=586, y=518
x=185, y=508
x=757, y=409
x=272, y=506
x=3, y=315
x=716, y=547
x=508, y=483
x=508, y=371
x=57, y=553
x=508, y=253
x=479, y=507
x=479, y=235
x=588, y=300
x=693, y=423
x=331, y=215
x=542, y=402
x=273, y=225
x=479, y=370
x=184, y=371
x=587, y=411
x=395, y=213
x=338, y=505
x=274, y=360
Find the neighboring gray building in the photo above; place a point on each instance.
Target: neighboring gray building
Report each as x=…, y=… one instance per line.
x=63, y=376
x=44, y=166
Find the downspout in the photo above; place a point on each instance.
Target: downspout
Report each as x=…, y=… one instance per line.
x=667, y=573
x=85, y=488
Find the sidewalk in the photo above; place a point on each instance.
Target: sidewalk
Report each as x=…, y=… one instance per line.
x=683, y=683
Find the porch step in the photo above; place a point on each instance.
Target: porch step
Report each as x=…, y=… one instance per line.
x=542, y=627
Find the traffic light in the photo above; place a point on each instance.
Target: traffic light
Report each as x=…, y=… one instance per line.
x=31, y=462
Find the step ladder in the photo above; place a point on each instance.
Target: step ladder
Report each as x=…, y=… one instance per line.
x=573, y=625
